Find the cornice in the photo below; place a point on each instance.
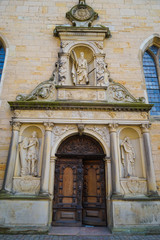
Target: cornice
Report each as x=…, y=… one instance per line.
x=73, y=105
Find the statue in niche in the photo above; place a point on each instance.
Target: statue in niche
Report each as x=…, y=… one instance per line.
x=79, y=69
x=128, y=157
x=29, y=155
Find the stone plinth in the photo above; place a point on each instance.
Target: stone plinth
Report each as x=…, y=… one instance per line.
x=26, y=185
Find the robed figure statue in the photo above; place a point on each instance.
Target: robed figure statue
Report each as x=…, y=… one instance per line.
x=128, y=157
x=79, y=69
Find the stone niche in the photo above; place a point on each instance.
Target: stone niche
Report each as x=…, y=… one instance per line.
x=27, y=172
x=87, y=70
x=132, y=171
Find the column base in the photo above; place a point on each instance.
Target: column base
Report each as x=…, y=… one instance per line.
x=117, y=195
x=44, y=194
x=152, y=194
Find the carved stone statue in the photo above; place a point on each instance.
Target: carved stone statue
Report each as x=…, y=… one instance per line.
x=79, y=69
x=128, y=157
x=29, y=155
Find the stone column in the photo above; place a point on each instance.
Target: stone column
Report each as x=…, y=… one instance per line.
x=12, y=157
x=114, y=159
x=52, y=175
x=108, y=177
x=46, y=158
x=151, y=180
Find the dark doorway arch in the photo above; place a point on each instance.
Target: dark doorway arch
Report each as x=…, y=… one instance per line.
x=79, y=183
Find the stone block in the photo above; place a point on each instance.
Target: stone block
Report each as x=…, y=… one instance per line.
x=24, y=213
x=136, y=213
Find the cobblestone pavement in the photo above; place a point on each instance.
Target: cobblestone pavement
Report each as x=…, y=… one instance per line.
x=47, y=237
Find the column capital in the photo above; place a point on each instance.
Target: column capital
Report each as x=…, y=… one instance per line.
x=53, y=159
x=113, y=127
x=48, y=126
x=145, y=127
x=15, y=126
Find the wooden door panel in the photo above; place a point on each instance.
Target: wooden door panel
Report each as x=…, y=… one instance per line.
x=94, y=193
x=67, y=206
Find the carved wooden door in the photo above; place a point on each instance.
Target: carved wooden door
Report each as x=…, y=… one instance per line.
x=67, y=207
x=79, y=195
x=93, y=200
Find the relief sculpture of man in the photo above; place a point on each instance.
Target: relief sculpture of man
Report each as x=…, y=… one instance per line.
x=79, y=69
x=29, y=155
x=128, y=157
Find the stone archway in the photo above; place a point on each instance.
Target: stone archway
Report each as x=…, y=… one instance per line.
x=79, y=183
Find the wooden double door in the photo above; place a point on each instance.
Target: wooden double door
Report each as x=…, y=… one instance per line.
x=79, y=194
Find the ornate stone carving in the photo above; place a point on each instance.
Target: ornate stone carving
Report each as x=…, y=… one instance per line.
x=112, y=114
x=80, y=129
x=48, y=126
x=145, y=115
x=26, y=185
x=16, y=126
x=102, y=72
x=113, y=127
x=80, y=145
x=79, y=69
x=99, y=45
x=134, y=186
x=65, y=44
x=102, y=131
x=42, y=91
x=128, y=157
x=145, y=127
x=49, y=113
x=29, y=148
x=62, y=70
x=118, y=93
x=17, y=113
x=60, y=130
x=82, y=15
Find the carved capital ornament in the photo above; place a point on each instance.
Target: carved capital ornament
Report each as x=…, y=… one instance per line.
x=113, y=127
x=16, y=126
x=145, y=127
x=48, y=126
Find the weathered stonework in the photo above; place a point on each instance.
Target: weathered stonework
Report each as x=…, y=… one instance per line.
x=109, y=105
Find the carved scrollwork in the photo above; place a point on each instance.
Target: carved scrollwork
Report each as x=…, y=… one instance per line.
x=60, y=130
x=102, y=131
x=42, y=91
x=80, y=145
x=118, y=93
x=62, y=70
